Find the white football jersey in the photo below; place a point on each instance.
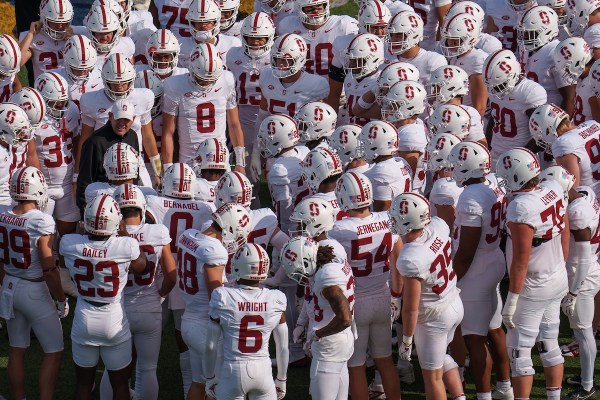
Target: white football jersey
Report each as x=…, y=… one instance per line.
x=476, y=132
x=425, y=61
x=5, y=172
x=340, y=44
x=395, y=6
x=319, y=41
x=76, y=90
x=390, y=178
x=199, y=116
x=583, y=93
x=506, y=20
x=205, y=190
x=427, y=11
x=140, y=32
x=141, y=291
x=444, y=192
x=511, y=124
x=54, y=145
x=354, y=90
x=99, y=268
x=584, y=143
x=330, y=197
x=429, y=259
x=413, y=138
x=544, y=210
x=488, y=43
x=234, y=30
x=368, y=243
x=195, y=251
x=172, y=15
x=472, y=64
x=288, y=8
x=539, y=67
x=19, y=234
x=286, y=100
x=223, y=43
x=6, y=88
x=124, y=45
x=247, y=316
x=95, y=107
x=264, y=223
x=95, y=189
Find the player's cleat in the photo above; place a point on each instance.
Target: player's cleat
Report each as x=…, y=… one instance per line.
x=406, y=372
x=570, y=350
x=581, y=394
x=376, y=392
x=574, y=380
x=506, y=395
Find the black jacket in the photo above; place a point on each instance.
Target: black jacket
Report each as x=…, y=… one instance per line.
x=91, y=164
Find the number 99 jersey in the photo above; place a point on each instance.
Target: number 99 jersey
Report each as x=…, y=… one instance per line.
x=247, y=316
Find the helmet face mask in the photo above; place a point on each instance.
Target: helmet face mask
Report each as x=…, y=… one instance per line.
x=313, y=12
x=229, y=13
x=204, y=18
x=56, y=17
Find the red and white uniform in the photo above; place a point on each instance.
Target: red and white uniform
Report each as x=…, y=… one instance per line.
x=264, y=223
x=199, y=116
x=506, y=20
x=234, y=30
x=139, y=30
x=286, y=100
x=223, y=43
x=390, y=178
x=472, y=64
x=425, y=61
x=539, y=67
x=476, y=132
x=6, y=88
x=205, y=190
x=440, y=309
x=319, y=41
x=427, y=11
x=172, y=15
x=330, y=197
x=93, y=84
x=412, y=138
x=354, y=90
x=583, y=93
x=444, y=192
x=5, y=172
x=396, y=6
x=488, y=43
x=511, y=124
x=288, y=8
x=584, y=143
x=482, y=205
x=124, y=45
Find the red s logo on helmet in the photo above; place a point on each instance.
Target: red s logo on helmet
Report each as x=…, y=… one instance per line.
x=463, y=153
x=290, y=255
x=506, y=161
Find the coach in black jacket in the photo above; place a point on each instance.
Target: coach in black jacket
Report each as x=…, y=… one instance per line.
x=117, y=129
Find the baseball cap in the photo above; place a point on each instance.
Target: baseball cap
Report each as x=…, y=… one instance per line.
x=123, y=109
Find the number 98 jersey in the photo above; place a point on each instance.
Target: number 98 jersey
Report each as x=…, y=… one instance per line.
x=247, y=316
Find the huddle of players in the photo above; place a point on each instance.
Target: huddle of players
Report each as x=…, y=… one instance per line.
x=328, y=164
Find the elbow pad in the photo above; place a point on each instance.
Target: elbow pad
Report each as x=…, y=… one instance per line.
x=337, y=74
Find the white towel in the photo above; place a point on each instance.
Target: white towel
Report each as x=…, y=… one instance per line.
x=6, y=297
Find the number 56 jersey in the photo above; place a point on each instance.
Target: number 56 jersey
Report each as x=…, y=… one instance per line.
x=248, y=316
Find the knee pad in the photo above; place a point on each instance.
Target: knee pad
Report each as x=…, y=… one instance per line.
x=550, y=353
x=449, y=363
x=521, y=363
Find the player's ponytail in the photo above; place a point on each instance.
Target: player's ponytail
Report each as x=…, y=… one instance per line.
x=325, y=255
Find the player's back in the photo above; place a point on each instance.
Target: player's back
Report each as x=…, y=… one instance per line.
x=390, y=178
x=248, y=316
x=264, y=222
x=19, y=235
x=539, y=67
x=172, y=15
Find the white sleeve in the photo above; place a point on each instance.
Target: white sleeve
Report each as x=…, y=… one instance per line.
x=170, y=100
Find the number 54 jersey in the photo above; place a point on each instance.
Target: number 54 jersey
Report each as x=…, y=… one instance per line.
x=248, y=316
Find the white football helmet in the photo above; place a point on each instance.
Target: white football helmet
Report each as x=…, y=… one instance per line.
x=438, y=149
x=557, y=173
x=118, y=70
x=315, y=215
x=32, y=102
x=450, y=118
x=101, y=19
x=558, y=6
x=148, y=79
x=446, y=83
x=520, y=6
x=121, y=162
x=469, y=7
x=404, y=100
x=409, y=212
x=235, y=224
x=405, y=31
x=129, y=195
x=374, y=16
x=312, y=18
x=54, y=89
x=212, y=153
x=463, y=31
x=28, y=183
x=272, y=8
x=344, y=141
x=517, y=167
x=319, y=164
x=80, y=58
x=469, y=160
x=10, y=56
x=277, y=132
x=578, y=15
x=502, y=73
x=543, y=124
x=113, y=6
x=163, y=42
x=315, y=120
x=538, y=27
x=15, y=127
x=228, y=6
x=571, y=57
x=57, y=12
x=102, y=216
x=393, y=73
x=250, y=262
x=364, y=55
x=206, y=66
x=204, y=11
x=257, y=25
x=178, y=181
x=288, y=55
x=299, y=258
x=378, y=138
x=353, y=191
x=233, y=187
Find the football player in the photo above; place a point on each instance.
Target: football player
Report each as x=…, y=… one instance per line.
x=79, y=70
x=321, y=169
x=582, y=15
x=433, y=14
x=228, y=22
x=316, y=122
x=559, y=7
x=34, y=106
x=99, y=261
x=246, y=370
x=344, y=141
x=536, y=218
x=172, y=15
x=502, y=19
x=30, y=282
x=105, y=31
x=485, y=41
x=209, y=164
x=10, y=64
x=201, y=259
x=366, y=238
x=162, y=52
x=277, y=10
x=431, y=306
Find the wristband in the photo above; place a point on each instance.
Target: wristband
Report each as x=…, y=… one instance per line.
x=363, y=104
x=75, y=176
x=240, y=156
x=166, y=166
x=407, y=340
x=156, y=165
x=395, y=294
